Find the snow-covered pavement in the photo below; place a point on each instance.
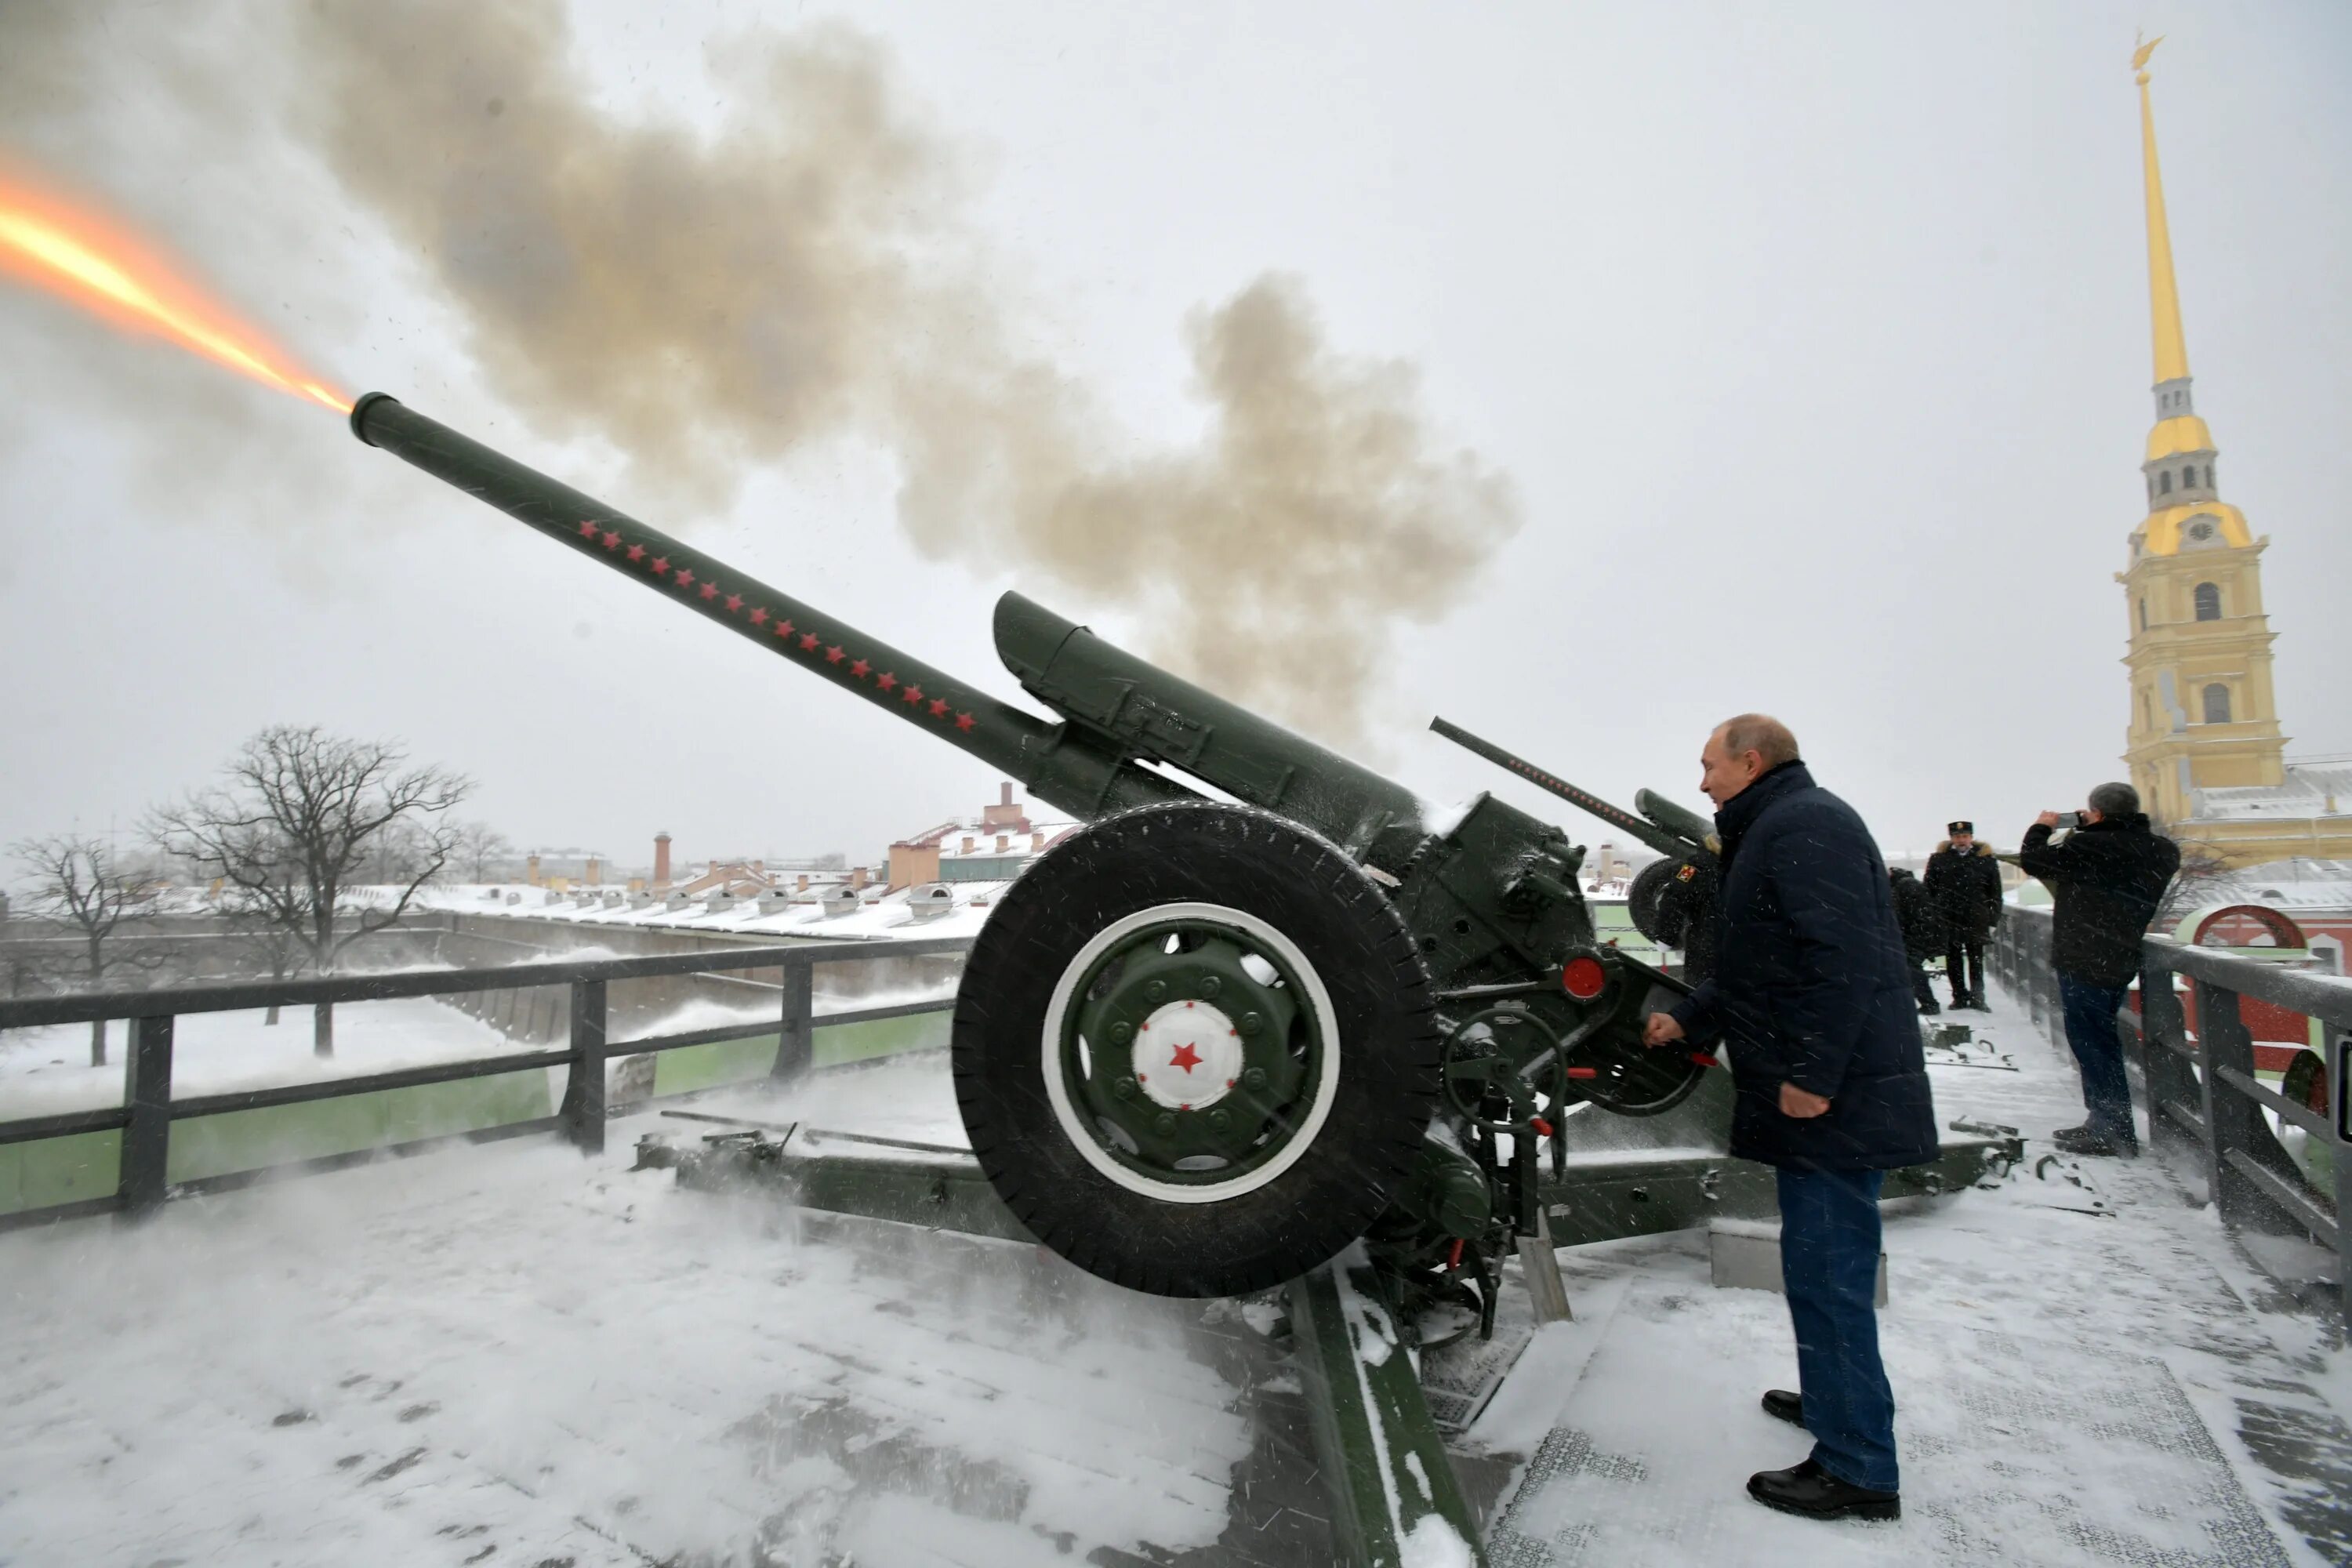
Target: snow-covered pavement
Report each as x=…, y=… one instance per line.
x=2084, y=1373
x=508, y=1355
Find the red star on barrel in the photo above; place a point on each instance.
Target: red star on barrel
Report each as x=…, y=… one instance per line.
x=783, y=627
x=834, y=653
x=1186, y=1058
x=759, y=617
x=661, y=564
x=886, y=680
x=588, y=529
x=734, y=603
x=859, y=668
x=612, y=542
x=808, y=642
x=636, y=553
x=963, y=721
x=683, y=579
x=912, y=694
x=710, y=590
x=938, y=707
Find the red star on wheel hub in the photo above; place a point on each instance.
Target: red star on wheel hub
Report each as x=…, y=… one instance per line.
x=1185, y=1057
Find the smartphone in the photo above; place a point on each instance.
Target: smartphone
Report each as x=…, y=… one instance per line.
x=2069, y=820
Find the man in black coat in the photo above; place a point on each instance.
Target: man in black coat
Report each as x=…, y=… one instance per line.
x=2106, y=879
x=1812, y=996
x=1964, y=880
x=1923, y=933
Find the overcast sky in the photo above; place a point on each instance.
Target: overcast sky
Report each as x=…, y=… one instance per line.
x=1814, y=340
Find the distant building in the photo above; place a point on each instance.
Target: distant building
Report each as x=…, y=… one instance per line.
x=994, y=846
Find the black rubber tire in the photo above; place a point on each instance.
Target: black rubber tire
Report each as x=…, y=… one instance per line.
x=1345, y=928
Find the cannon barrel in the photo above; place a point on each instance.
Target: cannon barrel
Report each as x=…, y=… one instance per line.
x=1062, y=767
x=1663, y=837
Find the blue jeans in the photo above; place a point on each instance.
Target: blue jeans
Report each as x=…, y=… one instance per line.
x=2098, y=1044
x=1829, y=1263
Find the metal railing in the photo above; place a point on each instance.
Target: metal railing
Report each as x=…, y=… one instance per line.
x=2200, y=1088
x=149, y=1107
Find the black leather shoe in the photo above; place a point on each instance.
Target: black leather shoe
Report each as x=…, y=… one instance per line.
x=2083, y=1140
x=1785, y=1405
x=1812, y=1491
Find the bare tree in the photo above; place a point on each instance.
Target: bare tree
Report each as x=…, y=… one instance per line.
x=301, y=821
x=2203, y=876
x=480, y=846
x=78, y=883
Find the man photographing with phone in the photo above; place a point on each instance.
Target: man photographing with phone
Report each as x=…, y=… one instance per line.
x=1811, y=993
x=2106, y=878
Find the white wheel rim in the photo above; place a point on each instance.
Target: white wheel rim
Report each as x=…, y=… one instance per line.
x=1087, y=1141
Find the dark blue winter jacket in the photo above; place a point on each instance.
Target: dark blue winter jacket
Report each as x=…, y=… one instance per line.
x=1811, y=986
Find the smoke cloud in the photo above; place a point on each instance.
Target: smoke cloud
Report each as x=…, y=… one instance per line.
x=708, y=297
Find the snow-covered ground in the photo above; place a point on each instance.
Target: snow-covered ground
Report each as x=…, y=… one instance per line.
x=509, y=1354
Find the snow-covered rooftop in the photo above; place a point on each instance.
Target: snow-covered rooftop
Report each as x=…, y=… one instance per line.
x=2309, y=789
x=935, y=909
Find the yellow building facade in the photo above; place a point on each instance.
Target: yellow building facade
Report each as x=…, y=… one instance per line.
x=2204, y=746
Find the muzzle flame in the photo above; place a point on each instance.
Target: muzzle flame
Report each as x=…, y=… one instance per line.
x=69, y=251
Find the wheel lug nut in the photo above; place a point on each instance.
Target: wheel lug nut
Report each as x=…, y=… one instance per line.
x=1253, y=1079
x=1165, y=1125
x=1155, y=990
x=1218, y=1120
x=1209, y=987
x=1124, y=1089
x=1121, y=1033
x=1252, y=1023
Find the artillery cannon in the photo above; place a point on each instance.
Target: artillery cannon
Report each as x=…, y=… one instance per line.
x=1201, y=1046
x=1672, y=900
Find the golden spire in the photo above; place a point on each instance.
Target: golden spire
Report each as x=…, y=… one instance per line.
x=2163, y=295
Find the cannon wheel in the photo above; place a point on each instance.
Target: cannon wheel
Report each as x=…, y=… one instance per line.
x=1195, y=1049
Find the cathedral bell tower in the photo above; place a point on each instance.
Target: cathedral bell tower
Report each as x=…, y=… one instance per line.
x=2203, y=715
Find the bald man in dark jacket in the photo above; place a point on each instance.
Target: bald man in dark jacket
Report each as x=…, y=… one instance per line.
x=1811, y=993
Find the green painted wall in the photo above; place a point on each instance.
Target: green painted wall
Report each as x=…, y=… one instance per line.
x=60, y=1170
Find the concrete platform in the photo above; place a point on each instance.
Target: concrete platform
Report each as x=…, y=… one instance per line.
x=511, y=1355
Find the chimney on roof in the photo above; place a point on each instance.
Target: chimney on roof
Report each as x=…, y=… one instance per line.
x=531, y=871
x=858, y=878
x=1037, y=843
x=1002, y=843
x=661, y=862
x=1005, y=794
x=967, y=843
x=804, y=887
x=595, y=875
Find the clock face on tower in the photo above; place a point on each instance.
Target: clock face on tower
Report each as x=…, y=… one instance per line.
x=2201, y=530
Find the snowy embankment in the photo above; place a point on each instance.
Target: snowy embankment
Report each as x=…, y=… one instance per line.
x=46, y=1071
